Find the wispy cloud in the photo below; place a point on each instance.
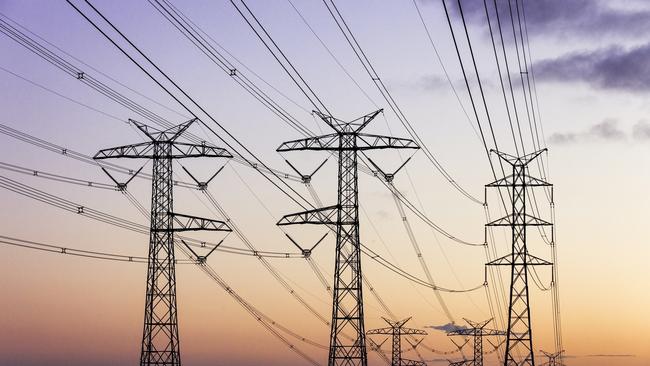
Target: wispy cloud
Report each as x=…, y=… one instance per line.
x=432, y=83
x=615, y=68
x=610, y=68
x=603, y=355
x=641, y=130
x=585, y=18
x=607, y=130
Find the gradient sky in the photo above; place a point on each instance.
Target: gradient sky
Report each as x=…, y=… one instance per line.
x=593, y=80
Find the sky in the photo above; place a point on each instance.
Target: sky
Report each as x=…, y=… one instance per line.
x=591, y=81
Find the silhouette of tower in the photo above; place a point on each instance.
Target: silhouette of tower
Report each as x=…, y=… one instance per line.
x=347, y=313
x=519, y=339
x=553, y=359
x=160, y=342
x=477, y=332
x=396, y=331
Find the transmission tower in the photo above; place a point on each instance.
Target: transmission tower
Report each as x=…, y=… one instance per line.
x=347, y=337
x=160, y=342
x=519, y=339
x=477, y=331
x=397, y=330
x=553, y=359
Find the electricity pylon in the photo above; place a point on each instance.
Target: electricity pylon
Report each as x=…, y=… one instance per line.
x=160, y=342
x=397, y=330
x=519, y=339
x=554, y=359
x=477, y=331
x=347, y=307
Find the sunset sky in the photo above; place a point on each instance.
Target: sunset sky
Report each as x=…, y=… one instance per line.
x=592, y=79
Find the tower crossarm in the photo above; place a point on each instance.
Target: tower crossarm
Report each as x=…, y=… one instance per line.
x=144, y=150
x=194, y=223
x=481, y=332
x=184, y=150
x=363, y=142
x=320, y=216
x=371, y=142
x=493, y=332
x=530, y=260
x=462, y=363
x=519, y=160
x=513, y=219
x=409, y=331
x=412, y=363
x=387, y=330
x=325, y=142
x=168, y=135
x=527, y=181
x=174, y=132
x=179, y=150
x=353, y=126
x=461, y=332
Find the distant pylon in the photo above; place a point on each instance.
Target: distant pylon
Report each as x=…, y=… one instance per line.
x=347, y=312
x=396, y=331
x=519, y=341
x=477, y=331
x=553, y=359
x=160, y=341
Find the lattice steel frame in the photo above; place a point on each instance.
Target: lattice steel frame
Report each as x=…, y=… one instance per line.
x=519, y=341
x=347, y=308
x=396, y=331
x=160, y=341
x=553, y=359
x=477, y=332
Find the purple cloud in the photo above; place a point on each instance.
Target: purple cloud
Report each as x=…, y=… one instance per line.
x=586, y=18
x=607, y=130
x=613, y=68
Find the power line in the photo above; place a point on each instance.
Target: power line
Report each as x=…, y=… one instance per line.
x=329, y=51
x=373, y=255
x=444, y=69
x=55, y=177
x=230, y=146
x=84, y=210
x=191, y=32
x=65, y=250
x=487, y=152
x=367, y=170
x=282, y=59
x=62, y=96
x=108, y=165
x=367, y=65
x=58, y=61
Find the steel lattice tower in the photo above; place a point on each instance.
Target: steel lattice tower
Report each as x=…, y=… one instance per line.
x=347, y=308
x=519, y=341
x=553, y=358
x=160, y=342
x=396, y=331
x=477, y=332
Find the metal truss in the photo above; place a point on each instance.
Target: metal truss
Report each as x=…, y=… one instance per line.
x=347, y=307
x=396, y=331
x=160, y=340
x=519, y=341
x=321, y=216
x=193, y=223
x=477, y=331
x=553, y=359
